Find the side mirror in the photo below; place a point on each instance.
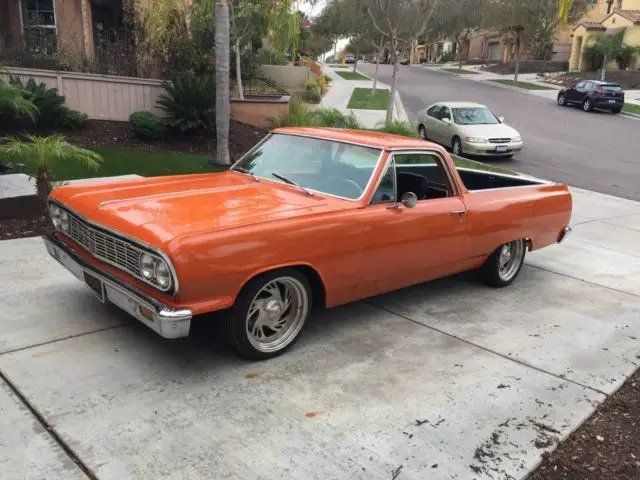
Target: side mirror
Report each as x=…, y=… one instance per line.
x=409, y=199
x=501, y=119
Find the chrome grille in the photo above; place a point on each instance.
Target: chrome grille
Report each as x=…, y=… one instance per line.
x=499, y=140
x=105, y=246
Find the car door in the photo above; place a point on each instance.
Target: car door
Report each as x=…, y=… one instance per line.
x=432, y=120
x=580, y=91
x=404, y=246
x=446, y=127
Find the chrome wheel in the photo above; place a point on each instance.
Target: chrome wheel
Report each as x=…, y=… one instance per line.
x=510, y=259
x=276, y=314
x=456, y=148
x=586, y=106
x=562, y=100
x=423, y=133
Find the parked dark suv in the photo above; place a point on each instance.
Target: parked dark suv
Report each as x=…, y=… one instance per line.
x=590, y=94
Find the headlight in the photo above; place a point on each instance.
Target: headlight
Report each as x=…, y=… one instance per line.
x=64, y=221
x=475, y=140
x=54, y=212
x=517, y=139
x=156, y=271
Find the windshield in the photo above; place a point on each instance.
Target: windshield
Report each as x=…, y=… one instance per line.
x=474, y=116
x=325, y=166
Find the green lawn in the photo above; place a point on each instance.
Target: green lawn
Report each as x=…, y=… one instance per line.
x=472, y=164
x=523, y=85
x=460, y=72
x=631, y=108
x=127, y=162
x=352, y=76
x=361, y=98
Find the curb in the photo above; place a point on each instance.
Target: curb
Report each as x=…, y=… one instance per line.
x=522, y=90
x=399, y=109
x=631, y=115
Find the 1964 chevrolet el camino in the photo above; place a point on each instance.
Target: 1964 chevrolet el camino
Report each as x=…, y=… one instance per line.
x=308, y=218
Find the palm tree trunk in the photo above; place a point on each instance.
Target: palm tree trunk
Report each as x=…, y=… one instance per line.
x=43, y=183
x=222, y=82
x=603, y=70
x=239, y=69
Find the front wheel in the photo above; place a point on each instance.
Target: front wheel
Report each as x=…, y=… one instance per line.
x=423, y=132
x=504, y=265
x=562, y=100
x=456, y=147
x=269, y=314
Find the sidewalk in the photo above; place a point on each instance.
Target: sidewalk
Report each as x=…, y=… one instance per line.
x=340, y=93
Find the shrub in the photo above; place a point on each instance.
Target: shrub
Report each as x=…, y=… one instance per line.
x=73, y=119
x=147, y=125
x=332, y=118
x=189, y=102
x=50, y=105
x=300, y=115
x=397, y=128
x=312, y=91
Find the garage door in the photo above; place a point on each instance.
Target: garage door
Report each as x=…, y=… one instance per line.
x=493, y=51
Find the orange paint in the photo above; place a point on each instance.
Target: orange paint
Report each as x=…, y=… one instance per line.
x=313, y=414
x=220, y=230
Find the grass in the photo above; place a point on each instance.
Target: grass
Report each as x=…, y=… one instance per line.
x=522, y=85
x=460, y=72
x=472, y=164
x=127, y=162
x=340, y=66
x=631, y=108
x=361, y=98
x=352, y=76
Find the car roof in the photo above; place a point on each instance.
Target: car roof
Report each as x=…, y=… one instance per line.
x=385, y=141
x=462, y=104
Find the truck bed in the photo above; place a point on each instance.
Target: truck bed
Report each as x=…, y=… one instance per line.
x=477, y=180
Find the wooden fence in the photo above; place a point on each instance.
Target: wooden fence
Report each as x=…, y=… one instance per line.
x=102, y=97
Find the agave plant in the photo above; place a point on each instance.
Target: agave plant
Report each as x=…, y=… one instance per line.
x=13, y=104
x=189, y=102
x=40, y=154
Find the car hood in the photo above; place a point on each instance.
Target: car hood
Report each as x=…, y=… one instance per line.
x=160, y=209
x=499, y=130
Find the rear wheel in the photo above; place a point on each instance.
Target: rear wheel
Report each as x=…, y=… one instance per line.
x=269, y=314
x=562, y=100
x=587, y=105
x=504, y=265
x=423, y=132
x=456, y=146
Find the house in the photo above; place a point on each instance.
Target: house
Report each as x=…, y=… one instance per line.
x=432, y=52
x=606, y=17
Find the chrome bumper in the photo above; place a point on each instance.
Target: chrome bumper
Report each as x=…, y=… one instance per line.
x=165, y=321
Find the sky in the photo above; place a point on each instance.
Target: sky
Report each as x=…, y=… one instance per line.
x=315, y=10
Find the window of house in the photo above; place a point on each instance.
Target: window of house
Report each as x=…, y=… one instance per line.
x=39, y=23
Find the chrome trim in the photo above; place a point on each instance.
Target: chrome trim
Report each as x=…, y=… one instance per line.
x=444, y=165
x=377, y=185
x=163, y=313
x=515, y=177
x=364, y=192
x=150, y=249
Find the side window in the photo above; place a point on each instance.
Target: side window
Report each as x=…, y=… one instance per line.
x=580, y=85
x=422, y=174
x=386, y=191
x=434, y=112
x=446, y=113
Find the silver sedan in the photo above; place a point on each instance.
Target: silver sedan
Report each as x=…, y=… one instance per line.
x=468, y=128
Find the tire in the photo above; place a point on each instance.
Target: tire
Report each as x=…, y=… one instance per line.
x=423, y=132
x=616, y=111
x=456, y=147
x=562, y=100
x=263, y=296
x=495, y=272
x=587, y=105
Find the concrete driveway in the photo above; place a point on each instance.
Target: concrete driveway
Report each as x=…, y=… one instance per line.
x=446, y=380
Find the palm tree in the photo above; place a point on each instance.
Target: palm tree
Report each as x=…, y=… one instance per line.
x=13, y=104
x=40, y=154
x=222, y=82
x=610, y=47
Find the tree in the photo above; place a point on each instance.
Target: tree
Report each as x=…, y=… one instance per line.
x=400, y=22
x=608, y=48
x=223, y=109
x=39, y=154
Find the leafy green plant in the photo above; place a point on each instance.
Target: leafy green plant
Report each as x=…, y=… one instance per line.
x=189, y=102
x=332, y=118
x=300, y=115
x=14, y=105
x=50, y=104
x=39, y=154
x=312, y=91
x=397, y=128
x=73, y=119
x=147, y=125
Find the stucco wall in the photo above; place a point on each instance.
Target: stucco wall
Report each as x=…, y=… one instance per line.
x=259, y=112
x=287, y=75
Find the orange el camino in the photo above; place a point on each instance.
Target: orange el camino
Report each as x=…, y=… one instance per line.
x=310, y=217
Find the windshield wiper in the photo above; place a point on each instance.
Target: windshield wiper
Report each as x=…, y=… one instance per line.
x=291, y=182
x=246, y=172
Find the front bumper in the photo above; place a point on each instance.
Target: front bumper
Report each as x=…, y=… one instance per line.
x=492, y=149
x=165, y=321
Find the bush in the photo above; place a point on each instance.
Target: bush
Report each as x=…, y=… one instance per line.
x=397, y=128
x=50, y=105
x=332, y=118
x=189, y=102
x=312, y=91
x=73, y=119
x=300, y=115
x=147, y=125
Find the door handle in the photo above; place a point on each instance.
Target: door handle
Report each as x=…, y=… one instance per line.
x=458, y=212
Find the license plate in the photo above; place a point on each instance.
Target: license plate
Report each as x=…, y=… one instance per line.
x=501, y=149
x=612, y=101
x=96, y=285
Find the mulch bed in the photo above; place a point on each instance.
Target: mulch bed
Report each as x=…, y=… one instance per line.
x=605, y=447
x=23, y=227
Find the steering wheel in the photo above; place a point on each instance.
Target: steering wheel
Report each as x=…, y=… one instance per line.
x=353, y=184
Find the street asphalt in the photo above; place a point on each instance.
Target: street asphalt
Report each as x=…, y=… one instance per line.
x=596, y=151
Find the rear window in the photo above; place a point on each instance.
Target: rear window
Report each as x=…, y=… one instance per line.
x=611, y=88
